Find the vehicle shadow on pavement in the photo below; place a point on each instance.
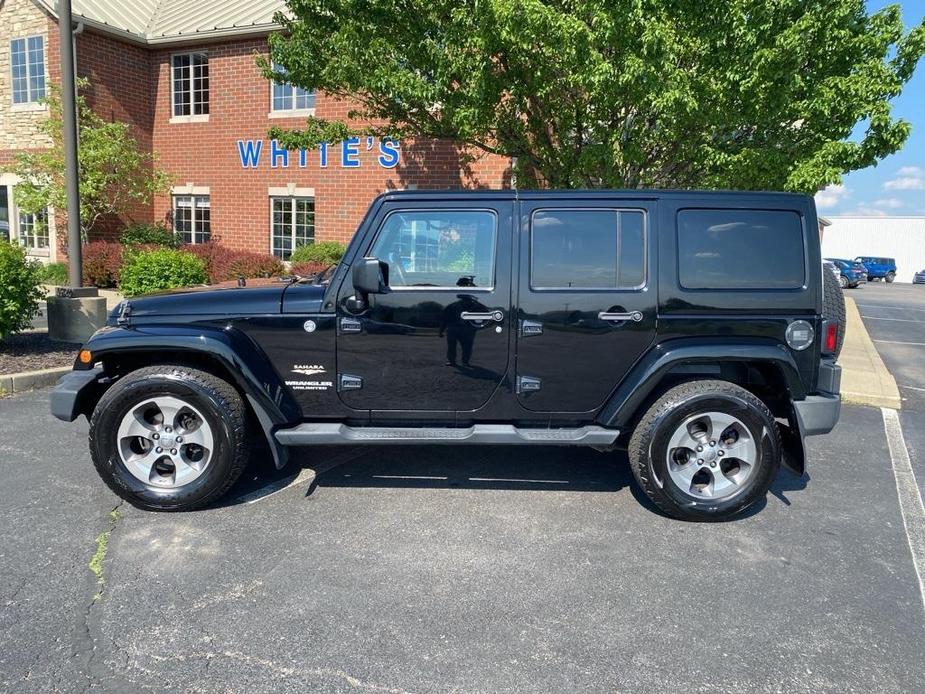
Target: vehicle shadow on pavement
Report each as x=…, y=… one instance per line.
x=551, y=469
x=489, y=467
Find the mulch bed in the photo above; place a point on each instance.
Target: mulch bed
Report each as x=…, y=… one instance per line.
x=32, y=351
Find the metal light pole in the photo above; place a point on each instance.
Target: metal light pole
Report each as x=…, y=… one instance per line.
x=69, y=113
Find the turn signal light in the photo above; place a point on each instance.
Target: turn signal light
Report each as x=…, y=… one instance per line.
x=85, y=356
x=830, y=337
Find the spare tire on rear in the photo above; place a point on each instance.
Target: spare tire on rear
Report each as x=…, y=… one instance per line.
x=833, y=305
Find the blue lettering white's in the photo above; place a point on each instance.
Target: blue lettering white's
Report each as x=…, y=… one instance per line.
x=389, y=154
x=249, y=151
x=277, y=153
x=350, y=152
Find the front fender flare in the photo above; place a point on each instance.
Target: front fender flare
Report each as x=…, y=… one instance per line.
x=244, y=361
x=648, y=372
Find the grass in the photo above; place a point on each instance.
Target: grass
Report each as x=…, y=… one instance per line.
x=99, y=556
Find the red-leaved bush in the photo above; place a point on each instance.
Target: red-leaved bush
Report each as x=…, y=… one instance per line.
x=101, y=263
x=223, y=263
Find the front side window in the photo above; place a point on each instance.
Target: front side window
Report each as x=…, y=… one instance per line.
x=438, y=248
x=587, y=249
x=287, y=97
x=740, y=249
x=293, y=225
x=33, y=230
x=27, y=60
x=190, y=76
x=192, y=218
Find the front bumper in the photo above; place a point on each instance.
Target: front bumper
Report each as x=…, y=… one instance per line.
x=72, y=390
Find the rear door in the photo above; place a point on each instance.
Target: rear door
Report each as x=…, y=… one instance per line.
x=438, y=340
x=586, y=311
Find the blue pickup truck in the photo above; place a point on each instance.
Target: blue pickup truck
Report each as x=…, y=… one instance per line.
x=878, y=268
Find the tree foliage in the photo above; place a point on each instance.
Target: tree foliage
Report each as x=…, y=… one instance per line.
x=115, y=174
x=751, y=94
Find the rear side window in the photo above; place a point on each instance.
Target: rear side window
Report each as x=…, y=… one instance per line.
x=587, y=249
x=740, y=249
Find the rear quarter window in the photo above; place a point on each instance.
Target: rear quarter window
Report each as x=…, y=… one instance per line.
x=741, y=249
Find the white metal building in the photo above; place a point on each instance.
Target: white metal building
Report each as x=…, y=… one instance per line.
x=902, y=238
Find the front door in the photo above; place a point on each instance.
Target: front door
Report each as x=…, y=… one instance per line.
x=586, y=309
x=438, y=339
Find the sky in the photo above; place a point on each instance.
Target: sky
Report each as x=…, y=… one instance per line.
x=895, y=186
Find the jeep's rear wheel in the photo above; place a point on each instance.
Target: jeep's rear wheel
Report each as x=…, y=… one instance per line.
x=169, y=438
x=890, y=276
x=705, y=451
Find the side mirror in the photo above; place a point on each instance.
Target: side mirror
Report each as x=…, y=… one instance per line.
x=370, y=276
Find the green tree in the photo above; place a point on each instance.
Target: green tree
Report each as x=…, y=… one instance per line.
x=115, y=173
x=751, y=94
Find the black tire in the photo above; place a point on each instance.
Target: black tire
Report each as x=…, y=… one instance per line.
x=219, y=403
x=834, y=305
x=890, y=276
x=842, y=281
x=648, y=448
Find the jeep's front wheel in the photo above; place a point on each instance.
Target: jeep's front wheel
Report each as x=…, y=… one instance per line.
x=705, y=451
x=169, y=438
x=890, y=276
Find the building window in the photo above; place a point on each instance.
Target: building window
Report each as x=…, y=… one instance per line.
x=27, y=58
x=287, y=97
x=33, y=230
x=293, y=224
x=191, y=218
x=190, y=84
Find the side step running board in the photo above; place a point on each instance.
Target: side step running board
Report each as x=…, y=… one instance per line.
x=334, y=433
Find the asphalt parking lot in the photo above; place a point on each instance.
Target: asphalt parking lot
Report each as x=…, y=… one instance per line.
x=461, y=569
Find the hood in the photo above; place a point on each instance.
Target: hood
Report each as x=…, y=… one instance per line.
x=206, y=301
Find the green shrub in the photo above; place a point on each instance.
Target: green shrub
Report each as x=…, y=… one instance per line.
x=19, y=289
x=162, y=268
x=53, y=273
x=148, y=235
x=325, y=253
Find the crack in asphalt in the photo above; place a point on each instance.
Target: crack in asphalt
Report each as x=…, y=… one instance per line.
x=85, y=647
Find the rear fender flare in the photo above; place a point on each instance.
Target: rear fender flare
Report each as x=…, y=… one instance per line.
x=648, y=373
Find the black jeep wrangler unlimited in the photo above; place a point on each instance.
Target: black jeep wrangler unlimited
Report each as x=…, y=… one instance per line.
x=688, y=328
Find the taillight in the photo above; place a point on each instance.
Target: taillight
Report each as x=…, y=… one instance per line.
x=829, y=336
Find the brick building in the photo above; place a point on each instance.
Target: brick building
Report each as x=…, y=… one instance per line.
x=184, y=76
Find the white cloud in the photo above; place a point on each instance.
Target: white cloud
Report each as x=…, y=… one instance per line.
x=907, y=178
x=830, y=196
x=889, y=203
x=905, y=183
x=866, y=211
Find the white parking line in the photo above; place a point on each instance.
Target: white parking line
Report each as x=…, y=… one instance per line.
x=902, y=385
x=898, y=320
x=895, y=308
x=910, y=498
x=897, y=342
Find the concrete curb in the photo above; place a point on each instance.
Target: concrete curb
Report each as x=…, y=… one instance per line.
x=865, y=378
x=29, y=380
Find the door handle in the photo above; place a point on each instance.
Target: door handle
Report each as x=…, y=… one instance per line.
x=496, y=316
x=635, y=316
